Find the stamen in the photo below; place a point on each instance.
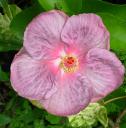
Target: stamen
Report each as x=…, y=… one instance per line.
x=69, y=63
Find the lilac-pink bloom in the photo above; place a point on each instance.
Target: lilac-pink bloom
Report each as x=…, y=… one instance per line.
x=65, y=62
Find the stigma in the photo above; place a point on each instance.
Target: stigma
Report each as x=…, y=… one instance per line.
x=69, y=63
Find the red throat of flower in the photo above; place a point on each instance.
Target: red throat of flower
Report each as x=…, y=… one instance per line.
x=69, y=63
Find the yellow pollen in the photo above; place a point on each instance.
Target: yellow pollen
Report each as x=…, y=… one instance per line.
x=69, y=63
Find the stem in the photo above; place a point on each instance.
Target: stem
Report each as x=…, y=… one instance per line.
x=113, y=99
x=118, y=120
x=111, y=123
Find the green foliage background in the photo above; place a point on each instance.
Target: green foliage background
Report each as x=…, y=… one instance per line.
x=16, y=112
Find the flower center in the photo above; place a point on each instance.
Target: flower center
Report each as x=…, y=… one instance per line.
x=69, y=63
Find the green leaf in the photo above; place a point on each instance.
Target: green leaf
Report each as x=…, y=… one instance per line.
x=8, y=39
x=55, y=126
x=9, y=10
x=97, y=6
x=112, y=108
x=27, y=117
x=69, y=6
x=21, y=20
x=48, y=4
x=11, y=103
x=114, y=18
x=6, y=8
x=89, y=117
x=3, y=75
x=117, y=93
x=75, y=6
x=4, y=119
x=117, y=105
x=39, y=124
x=123, y=125
x=55, y=4
x=117, y=31
x=14, y=10
x=102, y=116
x=53, y=119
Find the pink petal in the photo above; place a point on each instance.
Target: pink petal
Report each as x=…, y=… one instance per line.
x=72, y=96
x=43, y=33
x=30, y=78
x=104, y=70
x=85, y=31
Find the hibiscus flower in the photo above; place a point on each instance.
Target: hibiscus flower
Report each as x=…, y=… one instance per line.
x=65, y=62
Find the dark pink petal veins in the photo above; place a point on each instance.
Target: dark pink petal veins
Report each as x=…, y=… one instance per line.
x=85, y=31
x=72, y=96
x=32, y=79
x=42, y=35
x=105, y=72
x=65, y=62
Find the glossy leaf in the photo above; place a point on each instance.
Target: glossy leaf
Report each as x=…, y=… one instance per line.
x=75, y=6
x=48, y=4
x=55, y=4
x=69, y=6
x=117, y=31
x=114, y=18
x=97, y=6
x=20, y=22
